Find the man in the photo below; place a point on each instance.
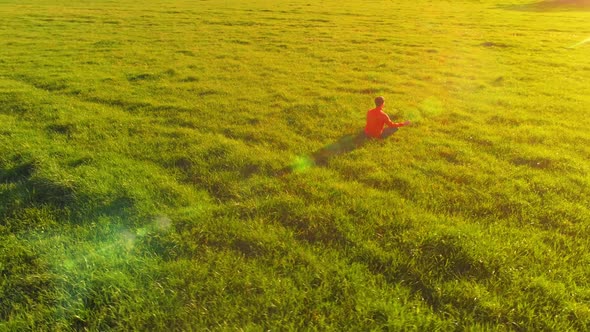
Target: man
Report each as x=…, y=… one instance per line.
x=376, y=119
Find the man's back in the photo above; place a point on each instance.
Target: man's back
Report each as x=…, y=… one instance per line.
x=376, y=119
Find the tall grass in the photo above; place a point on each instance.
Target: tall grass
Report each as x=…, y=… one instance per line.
x=197, y=165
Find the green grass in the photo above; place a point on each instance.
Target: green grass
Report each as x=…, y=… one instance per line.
x=194, y=165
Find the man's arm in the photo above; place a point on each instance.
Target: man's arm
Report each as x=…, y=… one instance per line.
x=389, y=123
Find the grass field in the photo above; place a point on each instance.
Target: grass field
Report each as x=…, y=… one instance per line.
x=195, y=165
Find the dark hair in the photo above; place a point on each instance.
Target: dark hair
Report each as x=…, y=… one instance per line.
x=379, y=101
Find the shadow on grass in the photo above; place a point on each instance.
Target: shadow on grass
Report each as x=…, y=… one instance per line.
x=345, y=144
x=31, y=199
x=321, y=157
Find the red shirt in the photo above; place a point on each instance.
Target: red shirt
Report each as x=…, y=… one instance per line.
x=376, y=119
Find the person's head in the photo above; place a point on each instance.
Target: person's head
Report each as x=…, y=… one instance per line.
x=379, y=101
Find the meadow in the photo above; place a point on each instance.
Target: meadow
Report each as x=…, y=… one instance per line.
x=196, y=165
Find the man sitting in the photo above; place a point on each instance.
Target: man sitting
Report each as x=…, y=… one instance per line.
x=376, y=119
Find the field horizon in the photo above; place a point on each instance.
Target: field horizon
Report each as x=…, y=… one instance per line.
x=199, y=165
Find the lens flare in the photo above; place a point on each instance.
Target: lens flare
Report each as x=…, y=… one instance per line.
x=162, y=222
x=301, y=164
x=413, y=115
x=585, y=41
x=431, y=107
x=128, y=240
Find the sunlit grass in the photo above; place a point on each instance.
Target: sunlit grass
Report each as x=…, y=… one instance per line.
x=198, y=165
